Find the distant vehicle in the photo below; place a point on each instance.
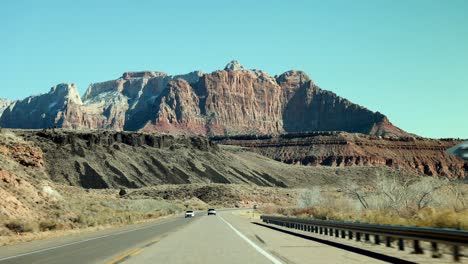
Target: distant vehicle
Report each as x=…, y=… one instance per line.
x=211, y=212
x=189, y=214
x=460, y=150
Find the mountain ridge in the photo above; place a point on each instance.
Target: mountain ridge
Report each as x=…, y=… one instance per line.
x=232, y=101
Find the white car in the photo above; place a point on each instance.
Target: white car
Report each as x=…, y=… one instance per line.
x=189, y=214
x=211, y=212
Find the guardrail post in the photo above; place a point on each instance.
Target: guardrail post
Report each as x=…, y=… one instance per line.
x=417, y=247
x=350, y=234
x=331, y=231
x=321, y=230
x=388, y=241
x=376, y=239
x=343, y=234
x=326, y=231
x=401, y=244
x=456, y=253
x=358, y=236
x=435, y=250
x=367, y=237
x=337, y=233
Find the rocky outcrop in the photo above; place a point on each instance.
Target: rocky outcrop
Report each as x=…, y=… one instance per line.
x=234, y=66
x=4, y=103
x=177, y=110
x=110, y=159
x=48, y=110
x=227, y=102
x=424, y=156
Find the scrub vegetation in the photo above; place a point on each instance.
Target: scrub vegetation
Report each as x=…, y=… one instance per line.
x=422, y=201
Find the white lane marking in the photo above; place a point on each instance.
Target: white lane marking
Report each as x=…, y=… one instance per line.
x=259, y=249
x=81, y=241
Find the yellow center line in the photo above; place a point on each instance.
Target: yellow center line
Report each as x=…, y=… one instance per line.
x=120, y=257
x=136, y=252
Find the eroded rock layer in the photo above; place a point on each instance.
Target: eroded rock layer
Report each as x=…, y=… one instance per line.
x=424, y=156
x=110, y=159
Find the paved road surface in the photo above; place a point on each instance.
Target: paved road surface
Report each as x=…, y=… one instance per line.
x=226, y=238
x=231, y=239
x=96, y=248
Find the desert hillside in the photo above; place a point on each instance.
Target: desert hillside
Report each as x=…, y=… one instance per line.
x=110, y=159
x=341, y=149
x=56, y=179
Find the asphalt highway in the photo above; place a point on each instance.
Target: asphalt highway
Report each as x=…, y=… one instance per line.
x=94, y=249
x=229, y=237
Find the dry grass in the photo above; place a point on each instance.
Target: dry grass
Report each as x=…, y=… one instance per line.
x=78, y=209
x=424, y=202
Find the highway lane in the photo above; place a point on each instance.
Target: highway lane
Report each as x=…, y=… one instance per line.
x=209, y=240
x=228, y=237
x=94, y=249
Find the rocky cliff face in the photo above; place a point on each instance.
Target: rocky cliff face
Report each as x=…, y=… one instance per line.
x=4, y=103
x=55, y=108
x=110, y=159
x=423, y=156
x=231, y=101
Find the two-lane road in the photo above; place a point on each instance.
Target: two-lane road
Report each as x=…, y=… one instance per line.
x=90, y=248
x=225, y=238
x=210, y=239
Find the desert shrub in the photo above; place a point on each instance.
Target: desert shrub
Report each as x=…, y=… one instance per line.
x=271, y=209
x=85, y=220
x=310, y=197
x=19, y=226
x=47, y=225
x=425, y=201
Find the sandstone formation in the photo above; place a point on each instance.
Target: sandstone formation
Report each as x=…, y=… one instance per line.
x=232, y=101
x=335, y=149
x=56, y=108
x=4, y=103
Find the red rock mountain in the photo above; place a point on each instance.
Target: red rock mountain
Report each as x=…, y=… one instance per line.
x=226, y=102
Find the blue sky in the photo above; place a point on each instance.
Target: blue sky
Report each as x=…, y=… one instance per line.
x=407, y=59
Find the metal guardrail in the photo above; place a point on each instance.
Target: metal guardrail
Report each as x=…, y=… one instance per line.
x=454, y=238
